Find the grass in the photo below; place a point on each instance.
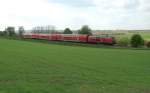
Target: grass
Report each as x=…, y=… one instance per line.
x=120, y=34
x=27, y=67
x=145, y=35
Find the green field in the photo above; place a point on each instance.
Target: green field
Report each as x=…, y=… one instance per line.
x=27, y=67
x=119, y=34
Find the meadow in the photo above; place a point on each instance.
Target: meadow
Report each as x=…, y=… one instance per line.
x=119, y=34
x=31, y=67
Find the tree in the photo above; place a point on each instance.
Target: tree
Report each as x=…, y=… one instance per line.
x=1, y=33
x=5, y=32
x=21, y=31
x=85, y=30
x=137, y=40
x=123, y=41
x=67, y=31
x=10, y=31
x=148, y=44
x=50, y=29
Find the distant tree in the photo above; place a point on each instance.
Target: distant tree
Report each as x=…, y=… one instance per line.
x=85, y=30
x=21, y=31
x=5, y=32
x=137, y=40
x=1, y=33
x=10, y=31
x=50, y=29
x=67, y=31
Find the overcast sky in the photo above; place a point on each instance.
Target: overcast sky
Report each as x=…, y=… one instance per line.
x=98, y=14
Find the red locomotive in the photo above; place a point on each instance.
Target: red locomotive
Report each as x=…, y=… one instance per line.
x=73, y=37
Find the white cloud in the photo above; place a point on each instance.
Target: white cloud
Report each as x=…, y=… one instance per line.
x=104, y=14
x=124, y=14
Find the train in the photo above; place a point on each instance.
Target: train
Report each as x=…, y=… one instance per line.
x=94, y=39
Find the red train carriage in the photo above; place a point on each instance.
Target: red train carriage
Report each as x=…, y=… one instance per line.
x=27, y=36
x=35, y=36
x=70, y=37
x=43, y=36
x=83, y=38
x=55, y=37
x=101, y=39
x=73, y=38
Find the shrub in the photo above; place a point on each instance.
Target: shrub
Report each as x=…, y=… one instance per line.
x=148, y=44
x=124, y=41
x=137, y=40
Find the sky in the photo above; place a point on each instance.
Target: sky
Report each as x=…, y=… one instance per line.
x=98, y=14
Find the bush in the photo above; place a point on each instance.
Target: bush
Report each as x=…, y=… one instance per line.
x=148, y=44
x=137, y=40
x=124, y=41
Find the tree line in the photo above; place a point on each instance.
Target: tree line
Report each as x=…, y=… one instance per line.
x=136, y=39
x=10, y=31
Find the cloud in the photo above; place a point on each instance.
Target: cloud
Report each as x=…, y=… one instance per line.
x=30, y=12
x=75, y=3
x=99, y=14
x=124, y=14
x=117, y=4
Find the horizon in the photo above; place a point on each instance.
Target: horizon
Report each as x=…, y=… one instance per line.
x=31, y=28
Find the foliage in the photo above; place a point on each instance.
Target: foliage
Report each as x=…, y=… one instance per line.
x=1, y=33
x=137, y=40
x=21, y=31
x=123, y=41
x=10, y=31
x=49, y=29
x=67, y=31
x=5, y=33
x=148, y=44
x=85, y=30
x=28, y=67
